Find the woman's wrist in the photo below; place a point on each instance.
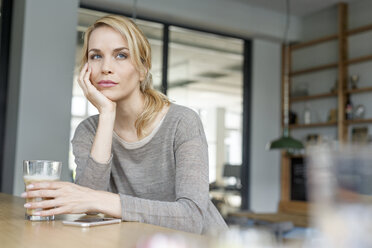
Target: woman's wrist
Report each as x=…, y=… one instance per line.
x=101, y=148
x=107, y=203
x=108, y=109
x=107, y=115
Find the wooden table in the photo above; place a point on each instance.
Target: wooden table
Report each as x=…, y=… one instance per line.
x=15, y=231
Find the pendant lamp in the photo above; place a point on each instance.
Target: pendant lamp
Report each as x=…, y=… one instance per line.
x=286, y=142
x=134, y=10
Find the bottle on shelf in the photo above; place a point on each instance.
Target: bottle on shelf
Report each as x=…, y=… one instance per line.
x=307, y=114
x=348, y=109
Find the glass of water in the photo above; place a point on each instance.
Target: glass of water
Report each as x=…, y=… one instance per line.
x=39, y=171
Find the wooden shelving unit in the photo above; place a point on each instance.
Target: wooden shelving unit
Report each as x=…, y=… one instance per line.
x=314, y=42
x=359, y=90
x=359, y=30
x=359, y=60
x=358, y=121
x=313, y=69
x=286, y=203
x=312, y=97
x=320, y=124
x=341, y=66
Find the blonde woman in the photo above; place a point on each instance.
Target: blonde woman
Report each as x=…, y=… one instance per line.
x=142, y=158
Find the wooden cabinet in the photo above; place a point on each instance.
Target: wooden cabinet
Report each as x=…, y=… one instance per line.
x=341, y=93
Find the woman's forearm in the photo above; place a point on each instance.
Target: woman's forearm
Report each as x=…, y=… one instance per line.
x=101, y=148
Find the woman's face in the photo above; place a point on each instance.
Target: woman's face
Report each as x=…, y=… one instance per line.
x=113, y=73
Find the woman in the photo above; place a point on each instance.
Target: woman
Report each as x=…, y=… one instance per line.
x=142, y=158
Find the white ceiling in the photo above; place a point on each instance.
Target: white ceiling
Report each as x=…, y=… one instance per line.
x=297, y=7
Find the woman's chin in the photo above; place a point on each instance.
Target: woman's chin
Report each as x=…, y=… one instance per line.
x=117, y=96
x=110, y=95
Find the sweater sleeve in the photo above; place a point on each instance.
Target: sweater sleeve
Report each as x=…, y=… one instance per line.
x=89, y=173
x=191, y=184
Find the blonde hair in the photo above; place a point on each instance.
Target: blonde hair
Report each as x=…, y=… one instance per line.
x=140, y=55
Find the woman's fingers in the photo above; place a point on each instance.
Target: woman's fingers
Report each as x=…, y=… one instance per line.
x=60, y=198
x=46, y=185
x=40, y=193
x=87, y=82
x=53, y=211
x=42, y=204
x=81, y=78
x=91, y=93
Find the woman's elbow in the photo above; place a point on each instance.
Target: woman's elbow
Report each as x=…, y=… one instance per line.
x=196, y=223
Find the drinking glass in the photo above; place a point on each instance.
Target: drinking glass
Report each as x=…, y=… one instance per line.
x=39, y=171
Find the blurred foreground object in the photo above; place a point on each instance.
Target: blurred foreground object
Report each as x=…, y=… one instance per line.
x=241, y=238
x=233, y=238
x=340, y=185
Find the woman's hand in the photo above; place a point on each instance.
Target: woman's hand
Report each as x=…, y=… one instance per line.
x=65, y=198
x=69, y=198
x=101, y=148
x=101, y=102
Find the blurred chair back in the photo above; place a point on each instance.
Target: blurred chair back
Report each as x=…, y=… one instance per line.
x=230, y=170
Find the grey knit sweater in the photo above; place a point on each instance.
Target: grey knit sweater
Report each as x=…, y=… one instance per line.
x=161, y=180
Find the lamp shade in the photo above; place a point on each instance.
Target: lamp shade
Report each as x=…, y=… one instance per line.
x=285, y=143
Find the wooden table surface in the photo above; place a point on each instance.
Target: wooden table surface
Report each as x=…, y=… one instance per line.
x=15, y=231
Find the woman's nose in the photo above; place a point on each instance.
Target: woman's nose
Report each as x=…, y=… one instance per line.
x=106, y=66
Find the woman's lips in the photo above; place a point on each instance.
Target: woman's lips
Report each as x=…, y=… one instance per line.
x=106, y=83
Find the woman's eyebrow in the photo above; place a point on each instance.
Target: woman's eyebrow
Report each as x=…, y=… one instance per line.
x=115, y=50
x=120, y=48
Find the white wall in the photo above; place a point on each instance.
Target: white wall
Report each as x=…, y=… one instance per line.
x=40, y=86
x=265, y=116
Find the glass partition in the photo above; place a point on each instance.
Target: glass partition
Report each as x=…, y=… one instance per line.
x=205, y=73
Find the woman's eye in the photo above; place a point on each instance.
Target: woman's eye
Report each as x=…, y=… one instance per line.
x=122, y=56
x=95, y=56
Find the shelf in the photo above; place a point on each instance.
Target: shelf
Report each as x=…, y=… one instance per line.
x=340, y=66
x=359, y=90
x=358, y=121
x=321, y=124
x=359, y=30
x=314, y=42
x=314, y=69
x=359, y=59
x=312, y=97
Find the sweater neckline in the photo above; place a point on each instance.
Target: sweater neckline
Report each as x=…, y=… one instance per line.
x=148, y=138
